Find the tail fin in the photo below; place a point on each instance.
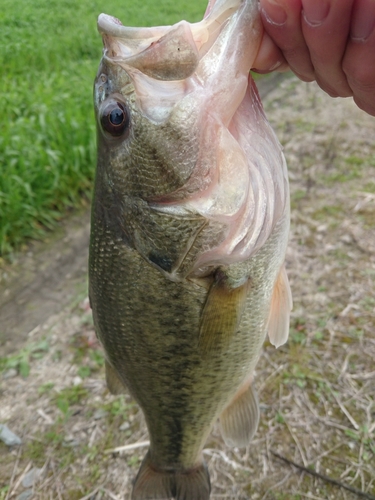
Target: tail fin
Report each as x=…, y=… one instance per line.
x=151, y=484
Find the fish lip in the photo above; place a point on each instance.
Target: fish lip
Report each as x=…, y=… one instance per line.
x=218, y=11
x=111, y=26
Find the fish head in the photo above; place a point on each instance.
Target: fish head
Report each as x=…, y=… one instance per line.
x=141, y=138
x=182, y=133
x=152, y=95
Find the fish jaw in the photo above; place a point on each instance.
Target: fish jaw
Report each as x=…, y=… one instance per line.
x=219, y=49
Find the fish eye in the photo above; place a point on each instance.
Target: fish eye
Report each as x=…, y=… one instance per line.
x=115, y=118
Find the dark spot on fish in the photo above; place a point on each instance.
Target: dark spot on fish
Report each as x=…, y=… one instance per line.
x=161, y=261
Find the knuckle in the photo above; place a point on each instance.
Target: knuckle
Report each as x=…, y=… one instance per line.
x=365, y=105
x=361, y=77
x=337, y=86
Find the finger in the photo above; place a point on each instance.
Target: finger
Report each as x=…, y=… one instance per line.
x=270, y=57
x=359, y=60
x=282, y=22
x=326, y=27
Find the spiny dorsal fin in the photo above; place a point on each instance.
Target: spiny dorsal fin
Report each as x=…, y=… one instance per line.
x=222, y=313
x=281, y=305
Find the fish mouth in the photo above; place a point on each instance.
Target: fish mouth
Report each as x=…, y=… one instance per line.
x=111, y=26
x=216, y=12
x=157, y=50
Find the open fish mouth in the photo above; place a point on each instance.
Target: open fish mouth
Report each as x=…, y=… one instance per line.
x=165, y=52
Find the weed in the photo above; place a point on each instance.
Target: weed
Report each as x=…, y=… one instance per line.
x=75, y=494
x=35, y=450
x=280, y=418
x=282, y=496
x=68, y=397
x=97, y=357
x=319, y=335
x=52, y=441
x=366, y=440
x=117, y=407
x=369, y=187
x=45, y=388
x=368, y=302
x=298, y=331
x=354, y=160
x=325, y=211
x=84, y=371
x=4, y=492
x=21, y=360
x=296, y=197
x=133, y=461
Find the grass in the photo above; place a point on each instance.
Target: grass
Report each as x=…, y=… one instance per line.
x=20, y=361
x=49, y=54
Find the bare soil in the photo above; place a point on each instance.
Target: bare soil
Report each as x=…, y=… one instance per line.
x=42, y=280
x=317, y=392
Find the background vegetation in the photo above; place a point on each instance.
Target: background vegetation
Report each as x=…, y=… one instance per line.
x=49, y=54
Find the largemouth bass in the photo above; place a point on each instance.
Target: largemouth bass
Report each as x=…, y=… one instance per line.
x=190, y=224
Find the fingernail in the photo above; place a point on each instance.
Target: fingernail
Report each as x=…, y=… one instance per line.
x=363, y=23
x=274, y=13
x=268, y=70
x=314, y=11
x=276, y=65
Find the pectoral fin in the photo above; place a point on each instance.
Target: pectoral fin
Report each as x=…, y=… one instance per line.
x=114, y=382
x=281, y=305
x=239, y=421
x=222, y=313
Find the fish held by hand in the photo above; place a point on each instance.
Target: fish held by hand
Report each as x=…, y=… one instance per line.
x=190, y=222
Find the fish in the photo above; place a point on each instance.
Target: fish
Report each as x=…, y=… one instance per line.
x=189, y=231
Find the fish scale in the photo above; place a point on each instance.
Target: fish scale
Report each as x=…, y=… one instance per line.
x=189, y=230
x=154, y=149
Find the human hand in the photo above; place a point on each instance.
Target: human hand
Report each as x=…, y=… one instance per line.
x=330, y=41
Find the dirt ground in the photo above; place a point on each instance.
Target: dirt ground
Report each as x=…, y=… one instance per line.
x=317, y=392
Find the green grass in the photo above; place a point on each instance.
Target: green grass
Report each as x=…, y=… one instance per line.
x=20, y=361
x=49, y=54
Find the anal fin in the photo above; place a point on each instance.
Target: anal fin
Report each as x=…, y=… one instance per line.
x=281, y=305
x=239, y=421
x=155, y=484
x=114, y=383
